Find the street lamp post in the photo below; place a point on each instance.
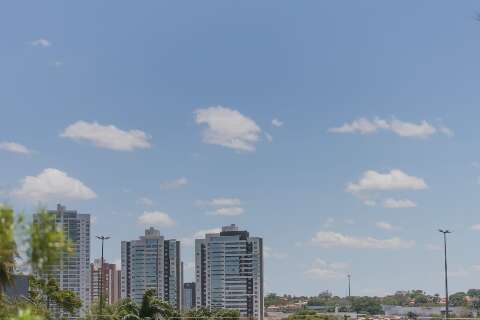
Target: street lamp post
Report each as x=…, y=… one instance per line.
x=445, y=232
x=103, y=238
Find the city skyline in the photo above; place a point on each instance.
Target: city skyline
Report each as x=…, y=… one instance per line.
x=342, y=134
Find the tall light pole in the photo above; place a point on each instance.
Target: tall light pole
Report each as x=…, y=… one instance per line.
x=445, y=232
x=103, y=238
x=349, y=276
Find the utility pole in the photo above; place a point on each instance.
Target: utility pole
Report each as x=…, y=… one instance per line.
x=445, y=232
x=349, y=276
x=103, y=238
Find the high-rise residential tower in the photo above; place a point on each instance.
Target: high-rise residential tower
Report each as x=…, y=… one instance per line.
x=229, y=272
x=189, y=296
x=152, y=263
x=110, y=281
x=73, y=270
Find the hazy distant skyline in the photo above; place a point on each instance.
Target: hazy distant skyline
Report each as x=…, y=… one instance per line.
x=344, y=134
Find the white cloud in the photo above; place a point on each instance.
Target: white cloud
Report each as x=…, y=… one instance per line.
x=384, y=225
x=328, y=239
x=475, y=227
x=268, y=252
x=393, y=180
x=174, y=184
x=145, y=201
x=189, y=241
x=323, y=270
x=277, y=123
x=53, y=184
x=398, y=203
x=401, y=128
x=228, y=128
x=156, y=218
x=222, y=206
x=107, y=136
x=41, y=42
x=14, y=147
x=221, y=202
x=227, y=211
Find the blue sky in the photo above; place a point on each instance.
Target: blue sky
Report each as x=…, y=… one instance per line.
x=163, y=113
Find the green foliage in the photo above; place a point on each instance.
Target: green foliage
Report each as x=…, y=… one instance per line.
x=473, y=292
x=225, y=314
x=369, y=305
x=310, y=315
x=48, y=293
x=47, y=242
x=8, y=246
x=458, y=299
x=26, y=314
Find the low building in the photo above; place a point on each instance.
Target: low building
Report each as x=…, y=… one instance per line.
x=189, y=296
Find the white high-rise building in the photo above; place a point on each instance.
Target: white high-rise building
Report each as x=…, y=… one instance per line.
x=73, y=270
x=152, y=263
x=229, y=272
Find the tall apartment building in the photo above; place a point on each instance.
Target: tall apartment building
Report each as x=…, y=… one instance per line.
x=111, y=281
x=229, y=272
x=73, y=270
x=152, y=263
x=189, y=292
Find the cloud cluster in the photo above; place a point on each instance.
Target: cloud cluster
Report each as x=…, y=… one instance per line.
x=41, y=42
x=228, y=128
x=222, y=206
x=14, y=147
x=277, y=123
x=200, y=234
x=174, y=184
x=391, y=203
x=156, y=218
x=400, y=128
x=393, y=180
x=324, y=270
x=55, y=185
x=328, y=239
x=384, y=225
x=107, y=136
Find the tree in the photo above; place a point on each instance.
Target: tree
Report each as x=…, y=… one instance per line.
x=8, y=247
x=50, y=293
x=306, y=314
x=367, y=305
x=473, y=292
x=150, y=308
x=47, y=242
x=458, y=299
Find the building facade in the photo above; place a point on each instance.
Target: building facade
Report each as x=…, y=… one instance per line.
x=189, y=292
x=73, y=270
x=229, y=272
x=110, y=285
x=152, y=263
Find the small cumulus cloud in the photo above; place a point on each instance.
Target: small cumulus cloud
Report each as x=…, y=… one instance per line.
x=329, y=239
x=277, y=123
x=40, y=42
x=228, y=128
x=14, y=147
x=107, y=136
x=391, y=203
x=156, y=218
x=393, y=180
x=174, y=184
x=53, y=184
x=422, y=129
